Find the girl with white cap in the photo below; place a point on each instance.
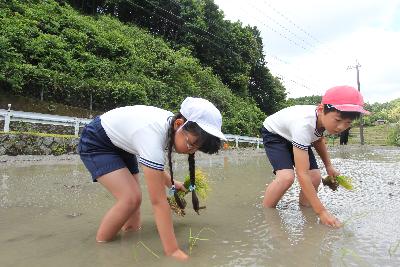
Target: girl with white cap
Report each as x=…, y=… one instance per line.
x=112, y=145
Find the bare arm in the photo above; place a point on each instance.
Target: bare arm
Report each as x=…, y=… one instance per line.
x=167, y=179
x=302, y=169
x=322, y=151
x=168, y=184
x=155, y=181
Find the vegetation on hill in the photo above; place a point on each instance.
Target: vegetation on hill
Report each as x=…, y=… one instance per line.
x=233, y=51
x=156, y=52
x=304, y=100
x=49, y=48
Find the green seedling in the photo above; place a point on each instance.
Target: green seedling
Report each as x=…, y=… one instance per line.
x=334, y=182
x=202, y=191
x=393, y=248
x=354, y=255
x=146, y=247
x=193, y=239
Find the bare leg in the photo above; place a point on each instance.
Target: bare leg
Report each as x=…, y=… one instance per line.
x=127, y=192
x=133, y=223
x=275, y=190
x=316, y=180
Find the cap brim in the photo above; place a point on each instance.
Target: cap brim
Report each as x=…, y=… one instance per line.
x=351, y=108
x=212, y=131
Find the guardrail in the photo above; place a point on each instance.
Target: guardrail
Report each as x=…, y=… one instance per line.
x=11, y=115
x=31, y=117
x=244, y=139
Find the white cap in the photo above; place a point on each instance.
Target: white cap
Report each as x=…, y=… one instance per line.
x=205, y=114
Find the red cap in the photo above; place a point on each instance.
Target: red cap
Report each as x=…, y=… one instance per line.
x=345, y=98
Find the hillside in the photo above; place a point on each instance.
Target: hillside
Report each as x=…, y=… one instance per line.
x=52, y=50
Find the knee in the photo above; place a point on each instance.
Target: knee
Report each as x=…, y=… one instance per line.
x=132, y=202
x=316, y=180
x=287, y=179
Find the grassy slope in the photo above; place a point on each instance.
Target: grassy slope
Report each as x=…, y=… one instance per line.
x=373, y=135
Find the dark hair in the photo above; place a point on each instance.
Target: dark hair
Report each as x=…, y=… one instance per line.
x=352, y=115
x=206, y=142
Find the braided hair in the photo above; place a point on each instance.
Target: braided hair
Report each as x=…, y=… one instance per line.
x=206, y=143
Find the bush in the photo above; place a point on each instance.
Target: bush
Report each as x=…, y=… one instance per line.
x=52, y=49
x=394, y=135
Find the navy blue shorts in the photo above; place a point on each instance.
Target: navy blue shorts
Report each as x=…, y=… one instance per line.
x=100, y=155
x=280, y=152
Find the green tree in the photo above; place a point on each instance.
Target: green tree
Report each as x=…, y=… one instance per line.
x=49, y=47
x=233, y=51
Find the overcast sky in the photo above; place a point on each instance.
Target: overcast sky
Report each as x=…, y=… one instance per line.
x=310, y=44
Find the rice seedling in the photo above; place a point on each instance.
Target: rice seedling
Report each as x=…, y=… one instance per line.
x=393, y=248
x=149, y=250
x=193, y=239
x=334, y=182
x=202, y=191
x=355, y=217
x=354, y=255
x=146, y=247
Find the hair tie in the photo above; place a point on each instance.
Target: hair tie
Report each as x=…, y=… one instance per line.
x=172, y=190
x=192, y=188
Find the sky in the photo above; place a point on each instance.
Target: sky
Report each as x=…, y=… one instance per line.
x=313, y=45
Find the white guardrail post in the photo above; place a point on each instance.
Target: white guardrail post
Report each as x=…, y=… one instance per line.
x=76, y=127
x=7, y=119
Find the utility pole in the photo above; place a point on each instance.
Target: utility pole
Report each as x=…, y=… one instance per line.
x=357, y=67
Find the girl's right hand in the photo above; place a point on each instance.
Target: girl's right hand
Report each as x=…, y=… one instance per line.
x=179, y=255
x=330, y=220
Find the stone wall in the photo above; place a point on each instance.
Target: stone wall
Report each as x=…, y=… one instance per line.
x=36, y=144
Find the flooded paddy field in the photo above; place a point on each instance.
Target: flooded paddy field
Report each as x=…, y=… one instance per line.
x=50, y=211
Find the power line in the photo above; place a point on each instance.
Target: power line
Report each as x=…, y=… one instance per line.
x=183, y=20
x=299, y=27
x=292, y=22
x=282, y=35
x=300, y=84
x=277, y=59
x=273, y=29
x=285, y=36
x=282, y=26
x=185, y=24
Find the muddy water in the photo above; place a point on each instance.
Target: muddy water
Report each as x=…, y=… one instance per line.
x=49, y=213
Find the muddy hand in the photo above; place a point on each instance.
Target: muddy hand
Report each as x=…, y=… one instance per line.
x=329, y=220
x=180, y=186
x=179, y=255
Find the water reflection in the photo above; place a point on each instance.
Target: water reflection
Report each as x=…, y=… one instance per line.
x=49, y=214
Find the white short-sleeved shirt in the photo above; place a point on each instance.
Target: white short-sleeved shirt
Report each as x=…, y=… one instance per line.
x=140, y=130
x=297, y=124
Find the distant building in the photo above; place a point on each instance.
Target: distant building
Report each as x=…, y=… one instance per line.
x=380, y=122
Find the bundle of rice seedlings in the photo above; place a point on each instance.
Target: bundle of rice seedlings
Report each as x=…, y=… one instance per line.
x=202, y=191
x=345, y=182
x=334, y=182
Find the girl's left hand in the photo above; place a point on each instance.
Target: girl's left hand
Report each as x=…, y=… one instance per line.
x=180, y=186
x=331, y=171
